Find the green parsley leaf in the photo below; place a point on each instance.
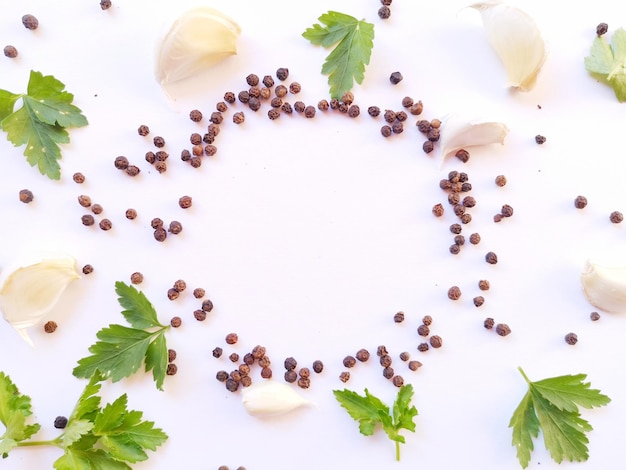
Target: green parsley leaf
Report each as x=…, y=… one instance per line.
x=121, y=350
x=370, y=411
x=552, y=406
x=15, y=409
x=41, y=122
x=607, y=62
x=354, y=40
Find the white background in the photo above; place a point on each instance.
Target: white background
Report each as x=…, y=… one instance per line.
x=308, y=235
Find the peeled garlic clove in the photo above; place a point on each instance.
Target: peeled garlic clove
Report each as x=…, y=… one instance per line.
x=515, y=37
x=199, y=38
x=270, y=397
x=457, y=133
x=29, y=292
x=605, y=286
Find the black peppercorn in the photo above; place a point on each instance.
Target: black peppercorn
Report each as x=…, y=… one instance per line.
x=454, y=293
x=221, y=375
x=290, y=363
x=384, y=13
x=160, y=234
x=233, y=357
x=199, y=292
x=362, y=355
x=159, y=142
x=423, y=347
x=105, y=224
x=344, y=376
x=318, y=366
x=185, y=202
x=462, y=155
x=438, y=210
x=488, y=323
x=10, y=52
x=395, y=78
x=50, y=326
x=291, y=376
x=436, y=341
x=294, y=88
x=87, y=269
x=423, y=330
x=105, y=4
x=427, y=320
x=595, y=316
x=474, y=238
x=456, y=228
x=381, y=350
x=501, y=180
x=455, y=248
x=571, y=339
x=503, y=329
x=309, y=112
x=373, y=111
x=60, y=422
x=388, y=372
x=132, y=170
x=136, y=278
x=252, y=79
x=176, y=322
x=143, y=130
x=26, y=196
x=207, y=305
x=414, y=365
x=217, y=352
x=354, y=111
x=580, y=202
x=407, y=102
x=175, y=227
x=602, y=29
x=491, y=258
x=398, y=317
x=404, y=356
x=282, y=73
x=199, y=315
x=478, y=300
x=540, y=139
x=428, y=146
x=385, y=360
x=506, y=211
x=231, y=338
x=273, y=114
x=397, y=127
x=416, y=108
x=616, y=217
x=30, y=22
x=195, y=115
x=386, y=131
x=349, y=361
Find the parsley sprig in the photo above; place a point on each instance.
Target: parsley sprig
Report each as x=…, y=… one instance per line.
x=95, y=437
x=370, y=411
x=552, y=406
x=41, y=122
x=121, y=350
x=354, y=40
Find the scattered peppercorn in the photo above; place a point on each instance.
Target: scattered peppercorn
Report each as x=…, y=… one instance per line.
x=491, y=258
x=398, y=381
x=397, y=127
x=540, y=139
x=291, y=376
x=282, y=73
x=266, y=373
x=501, y=180
x=207, y=305
x=478, y=301
x=438, y=210
x=436, y=341
x=105, y=4
x=239, y=117
x=50, y=326
x=172, y=294
x=414, y=365
x=427, y=320
x=217, y=352
x=571, y=338
x=386, y=131
x=422, y=347
x=423, y=330
x=398, y=317
x=10, y=52
x=455, y=248
x=395, y=78
x=616, y=217
x=216, y=117
x=199, y=292
x=354, y=111
x=185, y=202
x=294, y=88
x=136, y=278
x=159, y=141
x=404, y=356
x=232, y=385
x=60, y=422
x=87, y=269
x=488, y=323
x=474, y=238
x=175, y=227
x=30, y=22
x=602, y=29
x=344, y=376
x=199, y=315
x=318, y=366
x=252, y=79
x=143, y=130
x=132, y=170
x=382, y=350
x=595, y=316
x=273, y=114
x=78, y=178
x=105, y=224
x=580, y=202
x=373, y=111
x=160, y=234
x=88, y=220
x=26, y=196
x=97, y=209
x=384, y=12
x=176, y=322
x=309, y=112
x=258, y=352
x=462, y=155
x=233, y=357
x=221, y=375
x=506, y=211
x=362, y=355
x=503, y=329
x=349, y=361
x=231, y=338
x=171, y=355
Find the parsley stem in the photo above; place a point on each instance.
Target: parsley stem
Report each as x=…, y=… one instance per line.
x=52, y=442
x=523, y=374
x=397, y=451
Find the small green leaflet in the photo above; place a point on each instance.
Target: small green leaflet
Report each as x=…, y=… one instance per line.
x=121, y=350
x=354, y=41
x=607, y=62
x=15, y=409
x=551, y=405
x=41, y=122
x=370, y=411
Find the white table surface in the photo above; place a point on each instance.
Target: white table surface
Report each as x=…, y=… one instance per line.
x=308, y=235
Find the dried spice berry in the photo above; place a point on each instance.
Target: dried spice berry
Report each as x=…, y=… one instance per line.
x=540, y=139
x=436, y=341
x=159, y=141
x=195, y=115
x=78, y=178
x=87, y=269
x=428, y=146
x=30, y=22
x=594, y=316
x=309, y=112
x=199, y=292
x=382, y=350
x=456, y=228
x=454, y=293
x=136, y=278
x=185, y=202
x=132, y=170
x=501, y=180
x=258, y=352
x=172, y=294
x=454, y=198
x=407, y=102
x=344, y=376
x=239, y=117
x=266, y=373
x=252, y=79
x=347, y=98
x=291, y=376
x=282, y=73
x=423, y=347
x=273, y=114
x=207, y=305
x=323, y=105
x=478, y=300
x=221, y=375
x=304, y=382
x=488, y=323
x=416, y=108
x=50, y=326
x=105, y=4
x=156, y=222
x=294, y=88
x=438, y=210
x=373, y=111
x=398, y=381
x=506, y=211
x=433, y=135
x=602, y=29
x=483, y=284
x=616, y=217
x=388, y=373
x=462, y=155
x=26, y=196
x=386, y=131
x=474, y=238
x=455, y=248
x=580, y=202
x=175, y=227
x=171, y=355
x=362, y=355
x=503, y=329
x=395, y=78
x=571, y=338
x=414, y=365
x=217, y=352
x=398, y=317
x=491, y=258
x=195, y=162
x=290, y=363
x=469, y=201
x=88, y=219
x=385, y=360
x=199, y=315
x=97, y=209
x=105, y=224
x=231, y=338
x=318, y=366
x=397, y=127
x=160, y=234
x=143, y=130
x=233, y=357
x=176, y=322
x=83, y=200
x=354, y=111
x=60, y=422
x=349, y=361
x=427, y=320
x=423, y=330
x=389, y=116
x=10, y=51
x=404, y=356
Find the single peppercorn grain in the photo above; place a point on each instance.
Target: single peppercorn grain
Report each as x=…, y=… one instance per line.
x=407, y=102
x=97, y=209
x=388, y=372
x=474, y=238
x=349, y=361
x=294, y=88
x=132, y=170
x=389, y=116
x=221, y=375
x=30, y=22
x=385, y=360
x=506, y=211
x=438, y=210
x=423, y=330
x=428, y=146
x=594, y=316
x=175, y=227
x=207, y=305
x=462, y=155
x=455, y=248
x=373, y=111
x=10, y=51
x=50, y=326
x=105, y=4
x=143, y=130
x=540, y=139
x=571, y=338
x=483, y=284
x=436, y=341
x=235, y=375
x=199, y=315
x=78, y=178
x=231, y=338
x=304, y=372
x=456, y=228
x=290, y=363
x=414, y=365
x=318, y=366
x=273, y=114
x=160, y=234
x=423, y=347
x=386, y=131
x=282, y=73
x=491, y=258
x=83, y=200
x=185, y=202
x=87, y=269
x=344, y=376
x=199, y=292
x=233, y=357
x=88, y=220
x=354, y=110
x=459, y=240
x=404, y=356
x=488, y=323
x=60, y=422
x=217, y=352
x=232, y=385
x=172, y=294
x=304, y=383
x=176, y=322
x=398, y=381
x=309, y=112
x=580, y=202
x=252, y=79
x=602, y=29
x=266, y=373
x=398, y=317
x=362, y=355
x=136, y=278
x=501, y=180
x=258, y=351
x=291, y=376
x=195, y=162
x=105, y=224
x=381, y=350
x=156, y=222
x=454, y=293
x=171, y=355
x=26, y=196
x=503, y=329
x=159, y=142
x=478, y=300
x=395, y=78
x=616, y=217
x=397, y=127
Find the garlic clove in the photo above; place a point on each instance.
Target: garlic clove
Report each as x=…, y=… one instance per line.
x=515, y=37
x=269, y=398
x=605, y=286
x=199, y=38
x=29, y=292
x=457, y=133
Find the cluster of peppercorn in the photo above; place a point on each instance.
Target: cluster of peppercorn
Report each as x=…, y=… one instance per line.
x=501, y=328
x=88, y=219
x=423, y=330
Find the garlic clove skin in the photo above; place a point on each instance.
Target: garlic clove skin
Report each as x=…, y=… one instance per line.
x=605, y=286
x=271, y=398
x=515, y=37
x=29, y=292
x=198, y=39
x=457, y=133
